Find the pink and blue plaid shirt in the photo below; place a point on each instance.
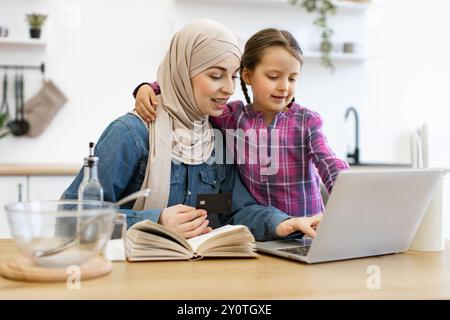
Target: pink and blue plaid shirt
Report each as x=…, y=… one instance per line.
x=282, y=163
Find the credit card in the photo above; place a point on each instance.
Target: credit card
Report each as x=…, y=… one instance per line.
x=215, y=204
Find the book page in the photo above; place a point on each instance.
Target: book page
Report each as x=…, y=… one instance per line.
x=159, y=230
x=134, y=251
x=216, y=233
x=151, y=242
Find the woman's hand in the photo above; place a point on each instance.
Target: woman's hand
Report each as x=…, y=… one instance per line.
x=306, y=225
x=146, y=102
x=186, y=221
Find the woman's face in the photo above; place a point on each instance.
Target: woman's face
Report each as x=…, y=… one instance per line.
x=214, y=86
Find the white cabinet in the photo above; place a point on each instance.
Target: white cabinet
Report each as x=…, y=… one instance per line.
x=12, y=189
x=28, y=188
x=48, y=188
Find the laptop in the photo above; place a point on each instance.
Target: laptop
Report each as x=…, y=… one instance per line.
x=368, y=213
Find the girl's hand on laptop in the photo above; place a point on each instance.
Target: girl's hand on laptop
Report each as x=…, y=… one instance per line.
x=307, y=225
x=146, y=102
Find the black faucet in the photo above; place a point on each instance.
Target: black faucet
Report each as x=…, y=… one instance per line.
x=355, y=154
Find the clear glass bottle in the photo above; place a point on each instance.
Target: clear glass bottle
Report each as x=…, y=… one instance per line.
x=90, y=188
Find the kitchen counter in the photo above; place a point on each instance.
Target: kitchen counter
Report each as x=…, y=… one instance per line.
x=376, y=165
x=411, y=275
x=381, y=164
x=39, y=170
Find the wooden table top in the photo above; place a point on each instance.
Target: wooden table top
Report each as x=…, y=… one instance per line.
x=410, y=275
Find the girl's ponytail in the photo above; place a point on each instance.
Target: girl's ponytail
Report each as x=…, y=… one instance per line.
x=244, y=85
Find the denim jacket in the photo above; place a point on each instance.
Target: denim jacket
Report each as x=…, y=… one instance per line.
x=123, y=151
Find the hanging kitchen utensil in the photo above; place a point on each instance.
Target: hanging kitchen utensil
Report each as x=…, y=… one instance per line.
x=25, y=126
x=18, y=126
x=43, y=73
x=14, y=125
x=4, y=108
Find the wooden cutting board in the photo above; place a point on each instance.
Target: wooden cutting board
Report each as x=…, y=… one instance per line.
x=24, y=269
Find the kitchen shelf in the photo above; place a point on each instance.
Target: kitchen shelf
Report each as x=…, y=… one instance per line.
x=351, y=5
x=337, y=55
x=22, y=42
x=340, y=4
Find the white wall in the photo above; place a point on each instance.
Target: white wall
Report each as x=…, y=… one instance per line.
x=96, y=63
x=99, y=57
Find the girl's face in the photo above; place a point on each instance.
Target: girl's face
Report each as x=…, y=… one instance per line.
x=214, y=86
x=273, y=80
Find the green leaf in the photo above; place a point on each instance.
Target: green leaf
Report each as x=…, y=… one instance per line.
x=36, y=20
x=309, y=5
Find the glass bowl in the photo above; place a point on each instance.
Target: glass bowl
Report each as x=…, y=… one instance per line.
x=61, y=233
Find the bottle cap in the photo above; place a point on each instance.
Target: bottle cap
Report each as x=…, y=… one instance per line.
x=91, y=160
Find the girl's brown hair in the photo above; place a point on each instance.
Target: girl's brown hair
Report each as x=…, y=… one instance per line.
x=266, y=38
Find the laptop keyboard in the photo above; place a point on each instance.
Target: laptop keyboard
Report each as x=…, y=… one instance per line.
x=301, y=251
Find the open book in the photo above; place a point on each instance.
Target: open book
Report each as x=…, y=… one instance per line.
x=147, y=240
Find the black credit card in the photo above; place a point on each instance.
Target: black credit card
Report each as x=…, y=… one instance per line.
x=215, y=204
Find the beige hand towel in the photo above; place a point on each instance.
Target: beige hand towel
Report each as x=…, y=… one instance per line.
x=42, y=108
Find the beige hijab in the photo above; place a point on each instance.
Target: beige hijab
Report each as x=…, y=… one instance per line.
x=181, y=131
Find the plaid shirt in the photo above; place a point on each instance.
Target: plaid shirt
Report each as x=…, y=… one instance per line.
x=281, y=163
x=301, y=158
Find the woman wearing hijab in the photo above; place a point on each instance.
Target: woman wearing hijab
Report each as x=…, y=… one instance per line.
x=174, y=156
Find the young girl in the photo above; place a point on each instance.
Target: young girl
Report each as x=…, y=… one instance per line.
x=298, y=149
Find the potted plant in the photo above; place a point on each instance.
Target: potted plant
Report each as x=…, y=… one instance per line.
x=35, y=21
x=322, y=8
